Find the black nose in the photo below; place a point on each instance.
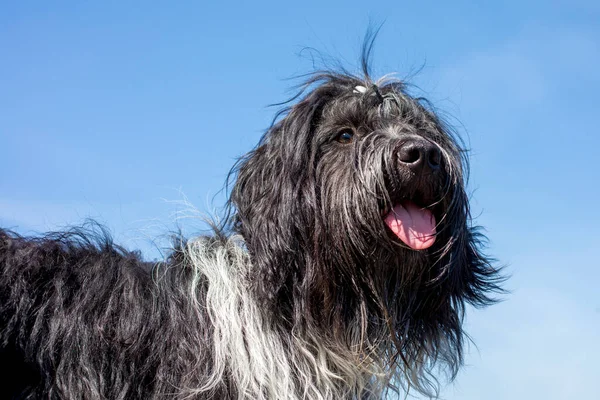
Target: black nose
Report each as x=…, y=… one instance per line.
x=420, y=155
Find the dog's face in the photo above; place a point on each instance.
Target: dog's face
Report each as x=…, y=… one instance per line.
x=354, y=211
x=394, y=162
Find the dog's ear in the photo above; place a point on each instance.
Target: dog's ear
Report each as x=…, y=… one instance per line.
x=273, y=191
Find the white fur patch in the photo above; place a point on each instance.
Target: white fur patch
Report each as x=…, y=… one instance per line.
x=263, y=363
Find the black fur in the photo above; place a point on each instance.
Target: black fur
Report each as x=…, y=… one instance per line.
x=83, y=318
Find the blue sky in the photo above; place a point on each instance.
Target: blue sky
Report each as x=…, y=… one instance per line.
x=120, y=111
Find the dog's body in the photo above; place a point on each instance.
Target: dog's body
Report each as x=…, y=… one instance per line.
x=342, y=272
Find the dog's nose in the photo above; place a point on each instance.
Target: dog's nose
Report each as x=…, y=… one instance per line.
x=420, y=155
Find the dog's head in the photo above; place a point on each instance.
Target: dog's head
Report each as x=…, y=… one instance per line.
x=354, y=211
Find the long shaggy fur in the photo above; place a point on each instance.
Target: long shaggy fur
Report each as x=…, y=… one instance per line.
x=303, y=293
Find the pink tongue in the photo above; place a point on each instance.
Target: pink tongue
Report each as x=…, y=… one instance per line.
x=413, y=225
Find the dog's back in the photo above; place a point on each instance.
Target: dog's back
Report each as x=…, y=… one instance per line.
x=83, y=318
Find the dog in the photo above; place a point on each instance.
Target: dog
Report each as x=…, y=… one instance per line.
x=341, y=271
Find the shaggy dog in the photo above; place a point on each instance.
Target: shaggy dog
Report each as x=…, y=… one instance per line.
x=342, y=271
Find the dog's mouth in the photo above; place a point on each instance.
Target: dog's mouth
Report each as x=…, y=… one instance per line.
x=414, y=225
x=411, y=215
x=412, y=208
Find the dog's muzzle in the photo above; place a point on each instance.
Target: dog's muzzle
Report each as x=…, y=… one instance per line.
x=412, y=223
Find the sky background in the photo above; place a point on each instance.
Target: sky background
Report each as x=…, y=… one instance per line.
x=120, y=111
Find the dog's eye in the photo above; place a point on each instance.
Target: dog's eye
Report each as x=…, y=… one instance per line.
x=345, y=136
